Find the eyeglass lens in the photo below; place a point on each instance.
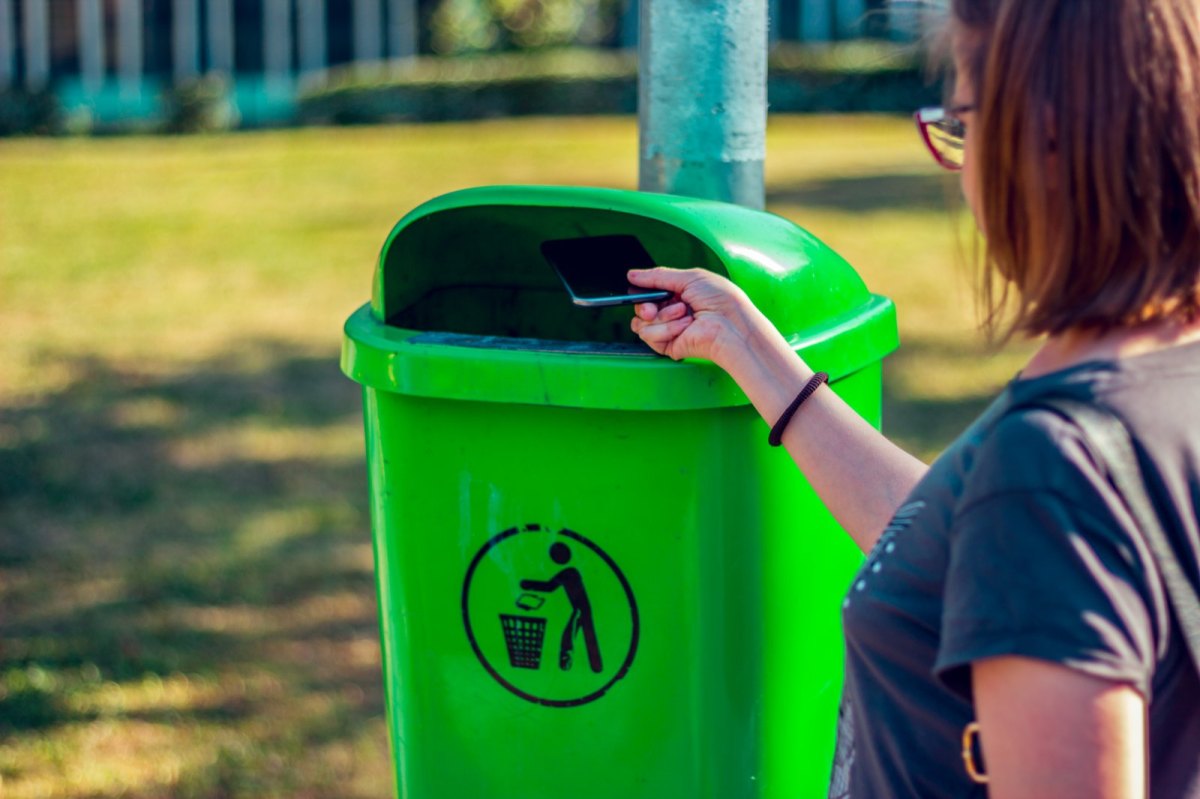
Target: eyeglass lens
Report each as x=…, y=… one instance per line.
x=946, y=137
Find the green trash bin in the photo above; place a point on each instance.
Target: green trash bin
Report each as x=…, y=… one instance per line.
x=595, y=578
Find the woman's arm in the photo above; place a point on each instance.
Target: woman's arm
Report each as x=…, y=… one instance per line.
x=860, y=475
x=1049, y=732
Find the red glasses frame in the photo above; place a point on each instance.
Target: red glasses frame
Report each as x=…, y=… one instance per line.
x=950, y=129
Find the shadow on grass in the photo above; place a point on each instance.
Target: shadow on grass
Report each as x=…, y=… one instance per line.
x=867, y=193
x=203, y=525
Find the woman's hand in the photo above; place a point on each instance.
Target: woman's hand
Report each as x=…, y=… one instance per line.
x=706, y=318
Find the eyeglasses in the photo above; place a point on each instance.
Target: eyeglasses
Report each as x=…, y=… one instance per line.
x=943, y=133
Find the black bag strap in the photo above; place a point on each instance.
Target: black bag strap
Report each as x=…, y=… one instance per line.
x=1112, y=444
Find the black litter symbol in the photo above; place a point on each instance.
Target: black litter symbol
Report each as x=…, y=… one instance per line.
x=581, y=621
x=551, y=597
x=524, y=636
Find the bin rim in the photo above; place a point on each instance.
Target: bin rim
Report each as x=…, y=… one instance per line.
x=409, y=362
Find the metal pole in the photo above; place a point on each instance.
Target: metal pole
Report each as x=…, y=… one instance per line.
x=850, y=18
x=402, y=29
x=368, y=30
x=91, y=45
x=816, y=20
x=129, y=46
x=8, y=46
x=185, y=41
x=703, y=99
x=220, y=36
x=311, y=19
x=277, y=42
x=629, y=24
x=37, y=45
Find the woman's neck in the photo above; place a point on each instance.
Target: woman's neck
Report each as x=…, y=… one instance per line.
x=1075, y=347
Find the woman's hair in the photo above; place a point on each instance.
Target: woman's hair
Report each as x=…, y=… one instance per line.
x=1089, y=158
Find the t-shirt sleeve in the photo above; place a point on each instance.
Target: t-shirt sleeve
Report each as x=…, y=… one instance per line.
x=1043, y=562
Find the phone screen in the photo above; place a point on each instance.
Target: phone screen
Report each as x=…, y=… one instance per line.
x=593, y=269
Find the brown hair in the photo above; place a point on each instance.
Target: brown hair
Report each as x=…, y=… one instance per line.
x=1089, y=158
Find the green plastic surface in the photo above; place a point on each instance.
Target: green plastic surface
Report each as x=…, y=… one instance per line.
x=595, y=579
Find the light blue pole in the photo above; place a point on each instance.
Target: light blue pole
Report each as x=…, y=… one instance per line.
x=816, y=21
x=629, y=24
x=91, y=45
x=185, y=39
x=702, y=98
x=850, y=17
x=403, y=28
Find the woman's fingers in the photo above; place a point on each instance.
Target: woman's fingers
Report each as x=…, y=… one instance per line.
x=646, y=311
x=668, y=311
x=672, y=311
x=660, y=335
x=697, y=294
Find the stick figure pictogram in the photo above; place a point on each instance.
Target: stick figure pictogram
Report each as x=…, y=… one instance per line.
x=581, y=620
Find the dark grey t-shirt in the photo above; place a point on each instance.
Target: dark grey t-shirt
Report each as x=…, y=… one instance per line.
x=1015, y=544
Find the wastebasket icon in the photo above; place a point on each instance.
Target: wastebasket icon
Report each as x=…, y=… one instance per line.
x=504, y=425
x=524, y=635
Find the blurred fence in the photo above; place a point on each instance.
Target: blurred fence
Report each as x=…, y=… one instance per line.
x=121, y=61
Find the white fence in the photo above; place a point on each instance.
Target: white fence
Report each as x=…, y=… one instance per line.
x=45, y=40
x=110, y=60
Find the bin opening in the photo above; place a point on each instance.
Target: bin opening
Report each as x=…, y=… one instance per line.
x=479, y=271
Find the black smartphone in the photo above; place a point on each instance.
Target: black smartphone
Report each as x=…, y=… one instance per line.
x=593, y=269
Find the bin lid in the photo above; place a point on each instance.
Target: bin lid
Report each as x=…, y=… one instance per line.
x=464, y=307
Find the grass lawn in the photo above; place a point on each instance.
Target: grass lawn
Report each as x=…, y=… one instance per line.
x=186, y=593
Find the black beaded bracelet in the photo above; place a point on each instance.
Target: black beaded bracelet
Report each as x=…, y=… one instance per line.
x=776, y=437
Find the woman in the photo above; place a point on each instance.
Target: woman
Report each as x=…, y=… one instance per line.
x=1005, y=584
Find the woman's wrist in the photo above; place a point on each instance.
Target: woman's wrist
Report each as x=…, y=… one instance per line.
x=762, y=363
x=733, y=346
x=742, y=332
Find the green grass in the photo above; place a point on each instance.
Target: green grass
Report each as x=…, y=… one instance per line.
x=186, y=599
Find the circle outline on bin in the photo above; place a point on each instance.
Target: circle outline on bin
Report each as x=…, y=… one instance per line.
x=491, y=544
